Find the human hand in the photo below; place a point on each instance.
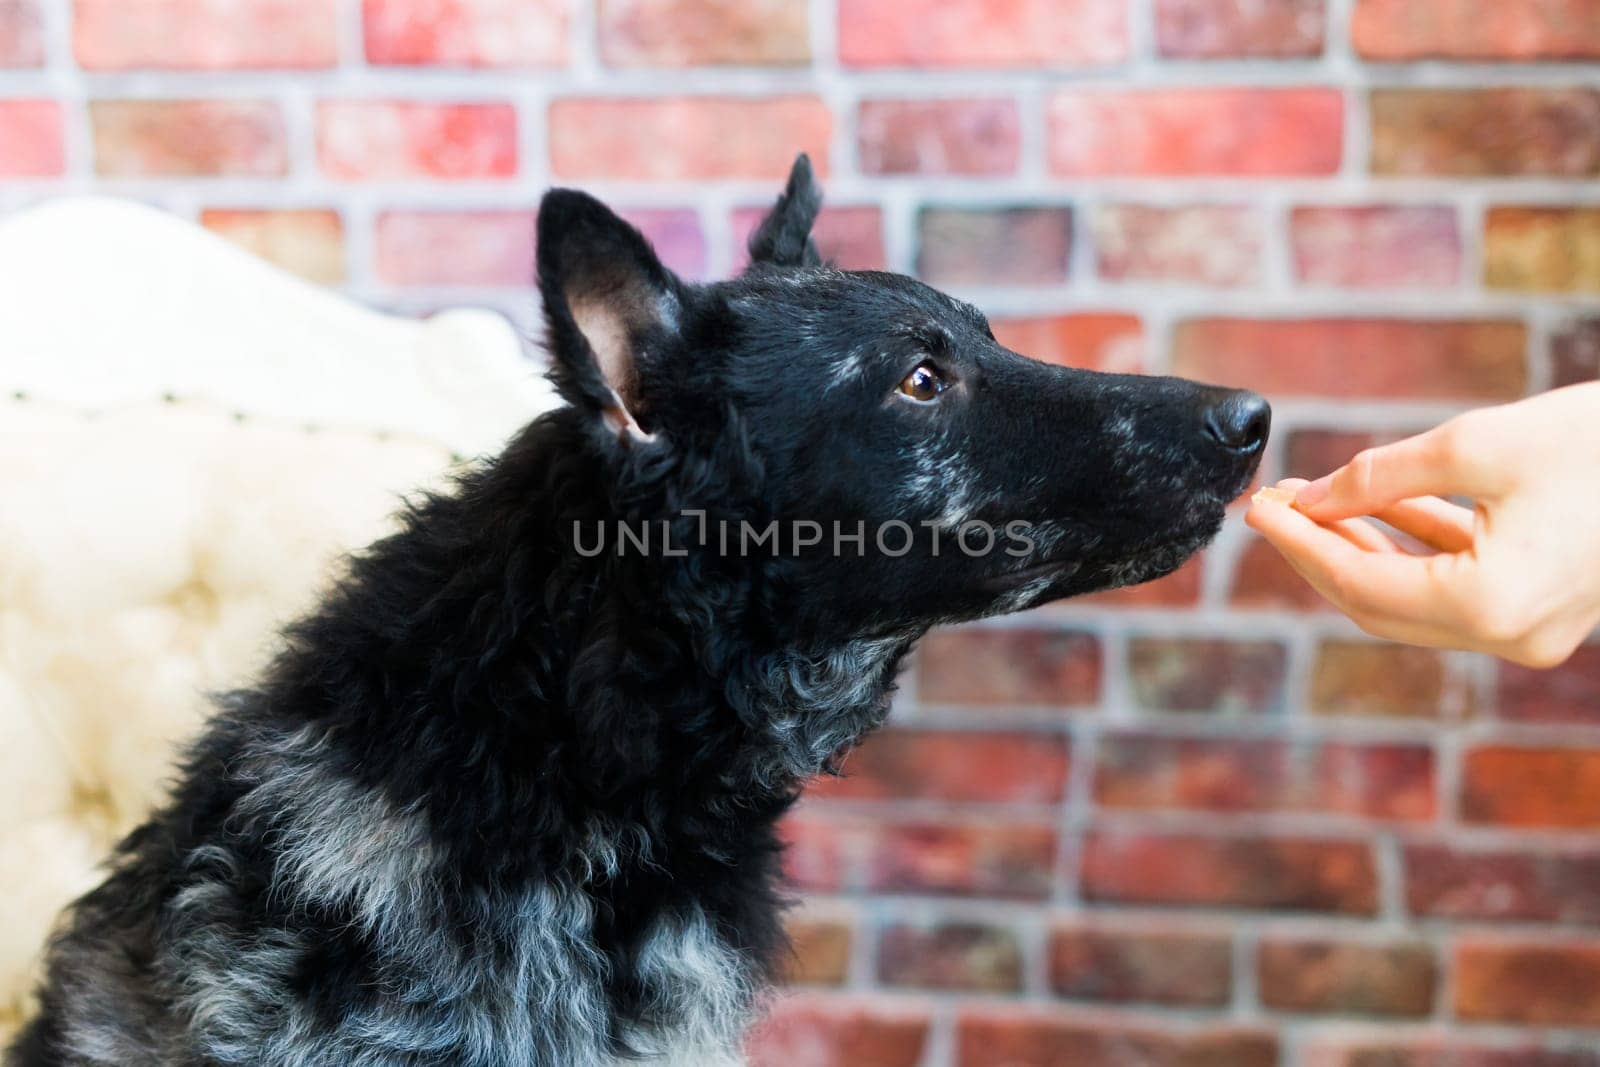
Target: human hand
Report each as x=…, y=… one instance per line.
x=1517, y=576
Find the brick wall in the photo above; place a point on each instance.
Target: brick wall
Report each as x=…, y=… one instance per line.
x=1200, y=822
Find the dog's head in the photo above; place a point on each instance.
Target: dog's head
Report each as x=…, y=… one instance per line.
x=869, y=404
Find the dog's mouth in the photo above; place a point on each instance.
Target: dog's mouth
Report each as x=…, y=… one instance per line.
x=1075, y=574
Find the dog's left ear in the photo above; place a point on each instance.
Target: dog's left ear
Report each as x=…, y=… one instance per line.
x=784, y=236
x=609, y=303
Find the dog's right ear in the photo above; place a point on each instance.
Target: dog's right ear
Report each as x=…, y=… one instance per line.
x=784, y=236
x=609, y=305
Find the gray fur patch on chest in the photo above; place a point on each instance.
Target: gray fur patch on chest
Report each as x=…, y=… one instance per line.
x=520, y=982
x=698, y=993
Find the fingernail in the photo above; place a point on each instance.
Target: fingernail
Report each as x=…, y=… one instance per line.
x=1314, y=493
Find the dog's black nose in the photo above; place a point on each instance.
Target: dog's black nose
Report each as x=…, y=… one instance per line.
x=1239, y=421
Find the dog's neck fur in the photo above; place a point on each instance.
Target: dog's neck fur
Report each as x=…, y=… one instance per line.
x=478, y=624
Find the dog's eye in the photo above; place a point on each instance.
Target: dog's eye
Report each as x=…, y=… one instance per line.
x=923, y=384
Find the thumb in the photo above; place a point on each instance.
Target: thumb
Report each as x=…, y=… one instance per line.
x=1443, y=461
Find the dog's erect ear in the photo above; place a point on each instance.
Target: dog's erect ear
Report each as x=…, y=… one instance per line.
x=784, y=236
x=608, y=304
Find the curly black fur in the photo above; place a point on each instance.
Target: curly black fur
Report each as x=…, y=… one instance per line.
x=499, y=801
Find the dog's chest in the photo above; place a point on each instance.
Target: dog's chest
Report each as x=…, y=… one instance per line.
x=531, y=991
x=550, y=992
x=696, y=989
x=489, y=978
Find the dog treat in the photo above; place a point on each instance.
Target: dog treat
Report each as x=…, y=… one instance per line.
x=1273, y=494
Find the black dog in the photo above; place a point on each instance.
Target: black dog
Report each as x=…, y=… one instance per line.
x=508, y=796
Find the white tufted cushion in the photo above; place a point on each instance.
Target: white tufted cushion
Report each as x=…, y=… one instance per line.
x=150, y=549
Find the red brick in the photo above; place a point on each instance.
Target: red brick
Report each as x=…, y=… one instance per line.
x=205, y=35
x=1333, y=1051
x=1376, y=247
x=308, y=242
x=1531, y=786
x=1104, y=341
x=686, y=137
x=993, y=246
x=1569, y=693
x=1389, y=781
x=189, y=138
x=849, y=236
x=1551, y=884
x=1001, y=666
x=956, y=956
x=817, y=1031
x=676, y=236
x=816, y=857
x=820, y=951
x=1471, y=29
x=1313, y=453
x=1422, y=359
x=495, y=248
x=1153, y=772
x=1199, y=244
x=1263, y=579
x=1030, y=1037
x=21, y=34
x=829, y=851
x=1208, y=675
x=385, y=139
x=691, y=33
x=442, y=248
x=1181, y=588
x=955, y=765
x=982, y=33
x=1549, y=249
x=1319, y=976
x=1368, y=678
x=1137, y=963
x=1575, y=353
x=1256, y=132
x=968, y=137
x=1227, y=29
x=467, y=33
x=1257, y=873
x=1014, y=859
x=31, y=144
x=1485, y=132
x=1526, y=982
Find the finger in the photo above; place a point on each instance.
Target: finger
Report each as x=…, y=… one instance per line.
x=1411, y=633
x=1390, y=629
x=1312, y=550
x=1437, y=523
x=1446, y=460
x=1364, y=585
x=1387, y=627
x=1364, y=535
x=1360, y=533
